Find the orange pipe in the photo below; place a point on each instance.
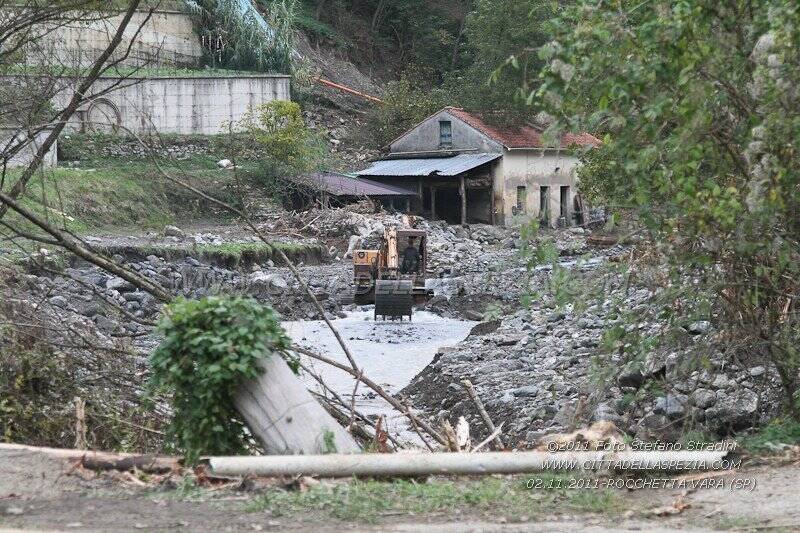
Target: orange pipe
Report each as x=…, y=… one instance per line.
x=348, y=90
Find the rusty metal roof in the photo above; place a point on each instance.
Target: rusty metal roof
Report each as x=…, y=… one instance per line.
x=434, y=166
x=343, y=185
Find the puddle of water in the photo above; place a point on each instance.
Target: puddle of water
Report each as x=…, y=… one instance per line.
x=390, y=353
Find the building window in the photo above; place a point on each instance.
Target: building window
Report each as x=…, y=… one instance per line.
x=522, y=199
x=445, y=134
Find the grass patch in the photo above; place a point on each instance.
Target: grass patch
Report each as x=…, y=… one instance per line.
x=367, y=501
x=123, y=195
x=771, y=437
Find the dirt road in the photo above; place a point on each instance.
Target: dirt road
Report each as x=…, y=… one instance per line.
x=39, y=493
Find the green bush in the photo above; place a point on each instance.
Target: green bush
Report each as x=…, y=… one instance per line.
x=702, y=140
x=287, y=146
x=210, y=346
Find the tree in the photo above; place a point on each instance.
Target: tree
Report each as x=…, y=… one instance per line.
x=287, y=146
x=702, y=113
x=497, y=30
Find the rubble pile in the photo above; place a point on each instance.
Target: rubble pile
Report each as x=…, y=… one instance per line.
x=537, y=372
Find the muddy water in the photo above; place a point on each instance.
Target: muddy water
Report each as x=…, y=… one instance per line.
x=390, y=353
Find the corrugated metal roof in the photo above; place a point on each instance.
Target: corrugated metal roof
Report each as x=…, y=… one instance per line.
x=342, y=185
x=434, y=166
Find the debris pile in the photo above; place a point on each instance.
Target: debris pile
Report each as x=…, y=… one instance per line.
x=537, y=372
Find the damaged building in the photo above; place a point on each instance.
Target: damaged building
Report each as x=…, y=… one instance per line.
x=463, y=169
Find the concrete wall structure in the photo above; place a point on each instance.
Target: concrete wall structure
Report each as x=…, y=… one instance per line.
x=183, y=105
x=10, y=137
x=166, y=39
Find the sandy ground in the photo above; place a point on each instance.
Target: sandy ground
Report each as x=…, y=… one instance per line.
x=40, y=494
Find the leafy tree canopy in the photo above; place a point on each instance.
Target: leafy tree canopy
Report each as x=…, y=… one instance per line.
x=700, y=104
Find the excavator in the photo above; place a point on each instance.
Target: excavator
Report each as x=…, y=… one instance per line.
x=393, y=275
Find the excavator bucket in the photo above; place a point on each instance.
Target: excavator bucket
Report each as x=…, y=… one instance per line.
x=394, y=298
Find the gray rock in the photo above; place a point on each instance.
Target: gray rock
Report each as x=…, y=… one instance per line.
x=470, y=314
x=174, y=231
x=526, y=391
x=508, y=340
x=274, y=283
x=605, y=412
x=671, y=405
x=59, y=301
x=757, y=371
x=704, y=398
x=105, y=324
x=733, y=411
x=630, y=377
x=699, y=328
x=721, y=381
x=119, y=285
x=88, y=309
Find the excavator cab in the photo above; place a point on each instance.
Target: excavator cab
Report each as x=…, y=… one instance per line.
x=393, y=277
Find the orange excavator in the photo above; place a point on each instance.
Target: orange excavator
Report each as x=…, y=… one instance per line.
x=393, y=275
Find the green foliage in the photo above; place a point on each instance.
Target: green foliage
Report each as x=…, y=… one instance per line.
x=367, y=501
x=288, y=147
x=773, y=437
x=236, y=38
x=41, y=375
x=210, y=346
x=701, y=110
x=495, y=31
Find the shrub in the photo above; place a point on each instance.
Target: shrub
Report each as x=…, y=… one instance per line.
x=287, y=147
x=210, y=346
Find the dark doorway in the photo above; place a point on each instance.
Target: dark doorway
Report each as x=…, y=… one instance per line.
x=544, y=204
x=448, y=205
x=522, y=199
x=565, y=203
x=479, y=205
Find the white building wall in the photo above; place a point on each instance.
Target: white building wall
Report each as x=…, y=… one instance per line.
x=425, y=136
x=533, y=169
x=186, y=105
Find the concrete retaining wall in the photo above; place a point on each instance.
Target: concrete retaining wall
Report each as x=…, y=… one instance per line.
x=10, y=137
x=166, y=39
x=177, y=105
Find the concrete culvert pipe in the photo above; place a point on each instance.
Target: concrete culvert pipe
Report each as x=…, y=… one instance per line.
x=416, y=464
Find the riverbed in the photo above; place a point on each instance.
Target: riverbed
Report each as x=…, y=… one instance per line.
x=390, y=353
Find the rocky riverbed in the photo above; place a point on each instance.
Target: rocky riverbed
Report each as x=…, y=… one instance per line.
x=539, y=367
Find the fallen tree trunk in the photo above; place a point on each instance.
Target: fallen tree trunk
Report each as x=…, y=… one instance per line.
x=286, y=418
x=417, y=464
x=153, y=464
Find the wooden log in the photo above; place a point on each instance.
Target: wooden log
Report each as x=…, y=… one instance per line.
x=462, y=463
x=472, y=393
x=103, y=460
x=284, y=416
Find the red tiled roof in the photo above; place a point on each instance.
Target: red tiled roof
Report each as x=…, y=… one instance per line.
x=521, y=137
